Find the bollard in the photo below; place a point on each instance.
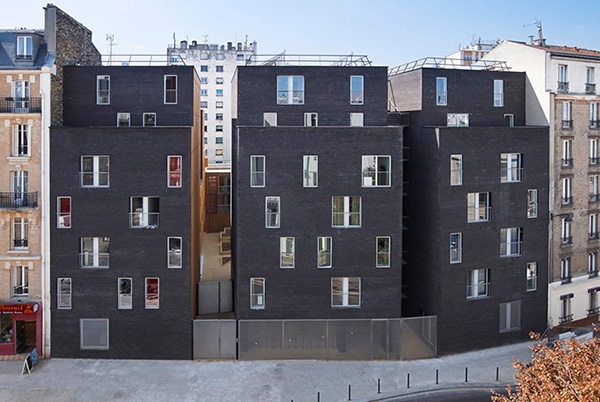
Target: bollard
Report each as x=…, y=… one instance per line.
x=466, y=374
x=318, y=397
x=497, y=373
x=407, y=380
x=349, y=392
x=436, y=376
x=379, y=385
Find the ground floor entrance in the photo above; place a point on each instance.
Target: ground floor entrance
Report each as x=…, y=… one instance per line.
x=20, y=327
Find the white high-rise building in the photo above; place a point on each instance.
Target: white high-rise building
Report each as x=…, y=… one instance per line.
x=216, y=65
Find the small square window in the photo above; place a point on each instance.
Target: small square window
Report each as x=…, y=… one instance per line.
x=510, y=316
x=376, y=171
x=269, y=119
x=345, y=292
x=219, y=69
x=94, y=333
x=123, y=120
x=218, y=140
x=204, y=68
x=149, y=119
x=144, y=212
x=356, y=120
x=219, y=80
x=218, y=152
x=219, y=104
x=219, y=92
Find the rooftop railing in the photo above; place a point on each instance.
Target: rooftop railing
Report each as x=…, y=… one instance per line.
x=448, y=63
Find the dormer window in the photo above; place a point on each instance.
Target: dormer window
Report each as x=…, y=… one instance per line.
x=24, y=47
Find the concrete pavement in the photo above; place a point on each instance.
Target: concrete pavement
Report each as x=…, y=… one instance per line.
x=289, y=380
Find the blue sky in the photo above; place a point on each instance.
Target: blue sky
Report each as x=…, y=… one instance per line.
x=390, y=32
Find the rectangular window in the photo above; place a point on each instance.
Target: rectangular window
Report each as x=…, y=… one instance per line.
x=21, y=140
x=310, y=170
x=457, y=120
x=204, y=80
x=218, y=140
x=510, y=241
x=376, y=171
x=356, y=90
x=532, y=203
x=593, y=264
x=286, y=252
x=324, y=245
x=593, y=152
x=478, y=283
x=272, y=212
x=311, y=119
x=257, y=293
x=565, y=308
x=63, y=212
x=511, y=168
x=123, y=119
x=125, y=294
x=203, y=104
x=565, y=232
x=356, y=120
x=152, y=295
x=170, y=89
x=441, y=91
x=219, y=116
x=219, y=128
x=204, y=92
x=20, y=281
x=290, y=90
x=590, y=83
x=219, y=69
x=593, y=226
x=203, y=68
x=219, y=80
x=455, y=248
x=563, y=80
x=219, y=92
x=20, y=186
x=103, y=90
x=257, y=171
x=346, y=212
x=20, y=234
x=593, y=188
x=94, y=252
x=270, y=119
x=594, y=307
x=174, y=171
x=567, y=158
x=174, y=252
x=531, y=276
x=64, y=293
x=498, y=93
x=566, y=115
x=383, y=251
x=456, y=170
x=594, y=114
x=149, y=119
x=510, y=316
x=94, y=333
x=95, y=171
x=24, y=47
x=345, y=292
x=567, y=198
x=509, y=119
x=21, y=95
x=144, y=212
x=565, y=269
x=478, y=207
x=219, y=104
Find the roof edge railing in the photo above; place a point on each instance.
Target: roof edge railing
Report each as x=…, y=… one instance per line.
x=448, y=63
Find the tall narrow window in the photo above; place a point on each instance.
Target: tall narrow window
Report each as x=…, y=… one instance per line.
x=563, y=80
x=565, y=308
x=257, y=293
x=144, y=212
x=311, y=119
x=594, y=114
x=174, y=252
x=63, y=293
x=383, y=251
x=269, y=119
x=345, y=292
x=567, y=199
x=94, y=171
x=590, y=82
x=20, y=234
x=356, y=90
x=593, y=188
x=531, y=276
x=324, y=252
x=21, y=140
x=20, y=281
x=286, y=251
x=174, y=171
x=290, y=90
x=498, y=93
x=478, y=283
x=310, y=170
x=441, y=91
x=511, y=169
x=346, y=212
x=94, y=252
x=478, y=207
x=376, y=171
x=257, y=171
x=593, y=264
x=21, y=96
x=272, y=212
x=593, y=152
x=455, y=248
x=152, y=294
x=103, y=90
x=565, y=269
x=456, y=170
x=593, y=226
x=565, y=232
x=567, y=158
x=510, y=241
x=124, y=290
x=510, y=316
x=24, y=47
x=63, y=212
x=20, y=188
x=566, y=115
x=594, y=306
x=170, y=89
x=532, y=203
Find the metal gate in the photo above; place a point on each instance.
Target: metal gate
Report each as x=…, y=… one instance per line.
x=215, y=339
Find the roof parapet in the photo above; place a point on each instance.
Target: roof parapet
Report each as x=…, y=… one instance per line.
x=448, y=63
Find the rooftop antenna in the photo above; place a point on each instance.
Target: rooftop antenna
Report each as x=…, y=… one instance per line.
x=205, y=39
x=540, y=41
x=174, y=41
x=111, y=42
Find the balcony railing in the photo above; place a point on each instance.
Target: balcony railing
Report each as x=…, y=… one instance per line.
x=566, y=241
x=510, y=249
x=18, y=200
x=563, y=87
x=593, y=236
x=594, y=161
x=567, y=162
x=594, y=123
x=566, y=318
x=146, y=220
x=567, y=124
x=567, y=200
x=594, y=310
x=20, y=105
x=590, y=88
x=20, y=243
x=93, y=260
x=566, y=279
x=594, y=197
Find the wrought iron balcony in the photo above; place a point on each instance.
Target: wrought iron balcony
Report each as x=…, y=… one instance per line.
x=594, y=123
x=567, y=162
x=566, y=318
x=18, y=200
x=20, y=105
x=594, y=310
x=563, y=87
x=567, y=124
x=593, y=236
x=20, y=243
x=590, y=88
x=565, y=279
x=566, y=241
x=594, y=197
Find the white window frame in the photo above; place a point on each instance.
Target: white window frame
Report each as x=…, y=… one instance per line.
x=169, y=92
x=511, y=168
x=20, y=234
x=383, y=251
x=21, y=144
x=286, y=252
x=594, y=188
x=272, y=215
x=563, y=78
x=593, y=152
x=478, y=283
x=174, y=174
x=457, y=119
x=123, y=119
x=103, y=90
x=567, y=158
x=511, y=241
x=345, y=297
x=124, y=293
x=593, y=226
x=566, y=115
x=531, y=276
x=324, y=252
x=456, y=170
x=20, y=281
x=25, y=47
x=82, y=328
x=21, y=93
x=310, y=171
x=357, y=89
x=479, y=207
x=511, y=312
x=565, y=269
x=174, y=253
x=63, y=218
x=441, y=91
x=100, y=252
x=290, y=90
x=565, y=309
x=532, y=203
x=594, y=114
x=567, y=196
x=149, y=119
x=498, y=93
x=144, y=212
x=311, y=119
x=100, y=178
x=372, y=176
x=219, y=104
x=593, y=263
x=565, y=232
x=346, y=213
x=257, y=293
x=257, y=176
x=455, y=248
x=357, y=119
x=149, y=297
x=64, y=293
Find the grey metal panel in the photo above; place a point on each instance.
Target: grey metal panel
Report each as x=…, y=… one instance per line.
x=214, y=339
x=208, y=297
x=226, y=296
x=227, y=339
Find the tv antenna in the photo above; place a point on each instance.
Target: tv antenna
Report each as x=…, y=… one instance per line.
x=111, y=42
